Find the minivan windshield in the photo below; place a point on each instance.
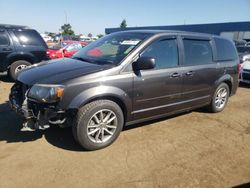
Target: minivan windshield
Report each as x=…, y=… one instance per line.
x=111, y=49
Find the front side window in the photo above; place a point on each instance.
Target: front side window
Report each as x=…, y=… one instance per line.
x=111, y=49
x=4, y=39
x=197, y=52
x=165, y=53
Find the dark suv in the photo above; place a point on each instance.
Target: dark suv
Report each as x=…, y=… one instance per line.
x=126, y=78
x=19, y=48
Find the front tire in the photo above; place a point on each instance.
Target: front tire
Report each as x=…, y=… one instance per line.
x=16, y=67
x=98, y=124
x=220, y=98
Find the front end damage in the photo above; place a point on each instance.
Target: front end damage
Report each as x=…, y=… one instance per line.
x=36, y=115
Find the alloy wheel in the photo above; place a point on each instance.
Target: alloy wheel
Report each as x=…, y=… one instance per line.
x=101, y=126
x=221, y=98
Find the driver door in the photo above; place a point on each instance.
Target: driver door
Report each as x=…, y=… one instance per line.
x=158, y=91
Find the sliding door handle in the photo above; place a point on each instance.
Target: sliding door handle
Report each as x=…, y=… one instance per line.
x=175, y=75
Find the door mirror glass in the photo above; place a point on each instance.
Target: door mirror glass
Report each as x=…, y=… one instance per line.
x=144, y=63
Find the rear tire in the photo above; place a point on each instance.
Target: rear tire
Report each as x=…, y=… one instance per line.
x=220, y=98
x=17, y=66
x=98, y=124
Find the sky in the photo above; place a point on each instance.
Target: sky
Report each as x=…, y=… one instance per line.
x=94, y=16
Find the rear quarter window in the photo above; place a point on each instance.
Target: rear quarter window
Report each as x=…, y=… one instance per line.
x=225, y=50
x=29, y=37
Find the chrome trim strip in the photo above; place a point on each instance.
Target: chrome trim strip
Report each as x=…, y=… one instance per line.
x=168, y=105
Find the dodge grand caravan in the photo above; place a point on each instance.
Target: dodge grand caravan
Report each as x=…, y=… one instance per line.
x=126, y=78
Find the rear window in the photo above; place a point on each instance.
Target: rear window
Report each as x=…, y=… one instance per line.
x=225, y=50
x=197, y=52
x=29, y=37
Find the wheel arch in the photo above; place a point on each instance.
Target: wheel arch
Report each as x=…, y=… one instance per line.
x=18, y=57
x=225, y=79
x=104, y=93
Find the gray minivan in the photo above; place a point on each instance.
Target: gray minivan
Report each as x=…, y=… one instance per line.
x=126, y=78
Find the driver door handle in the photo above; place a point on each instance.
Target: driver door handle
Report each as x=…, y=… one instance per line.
x=190, y=73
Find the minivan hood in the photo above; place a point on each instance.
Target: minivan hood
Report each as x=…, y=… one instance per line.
x=57, y=71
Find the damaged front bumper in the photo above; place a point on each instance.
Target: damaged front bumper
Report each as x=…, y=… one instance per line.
x=36, y=115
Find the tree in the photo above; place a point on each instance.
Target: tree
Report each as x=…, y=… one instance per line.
x=67, y=30
x=90, y=35
x=123, y=24
x=100, y=35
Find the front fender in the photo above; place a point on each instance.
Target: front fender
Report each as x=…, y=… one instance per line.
x=101, y=92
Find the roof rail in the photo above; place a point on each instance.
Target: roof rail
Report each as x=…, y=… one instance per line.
x=9, y=26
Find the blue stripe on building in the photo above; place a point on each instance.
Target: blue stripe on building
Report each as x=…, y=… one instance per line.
x=213, y=28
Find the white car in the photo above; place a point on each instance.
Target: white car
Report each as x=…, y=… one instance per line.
x=246, y=57
x=245, y=72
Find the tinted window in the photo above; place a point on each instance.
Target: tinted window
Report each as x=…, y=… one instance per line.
x=243, y=49
x=4, y=40
x=28, y=37
x=165, y=53
x=197, y=52
x=225, y=50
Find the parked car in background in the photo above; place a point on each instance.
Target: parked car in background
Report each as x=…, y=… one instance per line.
x=66, y=51
x=240, y=42
x=243, y=49
x=67, y=42
x=245, y=57
x=20, y=47
x=244, y=52
x=46, y=38
x=245, y=72
x=126, y=78
x=88, y=39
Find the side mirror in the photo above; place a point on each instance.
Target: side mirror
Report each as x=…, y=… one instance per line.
x=144, y=63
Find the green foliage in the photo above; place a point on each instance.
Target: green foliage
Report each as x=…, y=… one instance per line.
x=67, y=30
x=123, y=24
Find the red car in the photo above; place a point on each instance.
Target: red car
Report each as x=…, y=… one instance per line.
x=67, y=42
x=66, y=51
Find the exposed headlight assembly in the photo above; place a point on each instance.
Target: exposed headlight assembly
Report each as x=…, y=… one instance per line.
x=46, y=93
